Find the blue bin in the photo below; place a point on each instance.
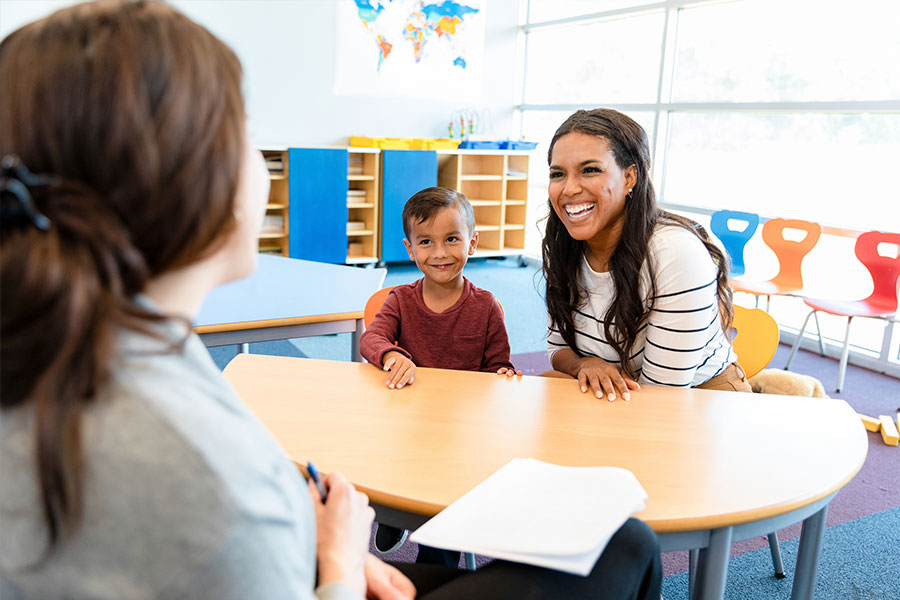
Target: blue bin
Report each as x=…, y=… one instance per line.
x=517, y=145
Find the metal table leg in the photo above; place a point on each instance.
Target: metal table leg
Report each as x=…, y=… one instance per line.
x=355, y=356
x=811, y=535
x=712, y=567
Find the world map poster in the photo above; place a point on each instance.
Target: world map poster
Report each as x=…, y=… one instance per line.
x=410, y=48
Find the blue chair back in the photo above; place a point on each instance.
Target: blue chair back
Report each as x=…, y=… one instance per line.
x=734, y=240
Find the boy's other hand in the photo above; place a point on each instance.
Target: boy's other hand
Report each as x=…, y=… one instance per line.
x=403, y=370
x=508, y=372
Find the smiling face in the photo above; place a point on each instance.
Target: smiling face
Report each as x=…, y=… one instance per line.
x=441, y=246
x=588, y=189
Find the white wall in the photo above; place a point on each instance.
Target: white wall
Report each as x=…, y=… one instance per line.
x=287, y=49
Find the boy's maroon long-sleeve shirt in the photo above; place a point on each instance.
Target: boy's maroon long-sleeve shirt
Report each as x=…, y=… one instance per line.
x=468, y=336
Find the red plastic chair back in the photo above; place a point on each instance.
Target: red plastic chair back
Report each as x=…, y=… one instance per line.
x=373, y=305
x=790, y=253
x=885, y=270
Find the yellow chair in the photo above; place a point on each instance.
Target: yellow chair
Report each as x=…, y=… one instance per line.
x=756, y=338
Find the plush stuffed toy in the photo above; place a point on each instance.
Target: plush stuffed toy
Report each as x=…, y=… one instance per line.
x=786, y=383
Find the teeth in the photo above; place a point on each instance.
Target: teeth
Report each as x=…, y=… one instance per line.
x=576, y=210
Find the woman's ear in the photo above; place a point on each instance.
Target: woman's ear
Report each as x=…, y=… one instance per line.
x=630, y=178
x=473, y=243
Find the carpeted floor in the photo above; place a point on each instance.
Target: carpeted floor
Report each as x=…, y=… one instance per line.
x=861, y=554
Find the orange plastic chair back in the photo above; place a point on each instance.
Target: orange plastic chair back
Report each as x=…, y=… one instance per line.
x=373, y=305
x=885, y=270
x=756, y=338
x=790, y=253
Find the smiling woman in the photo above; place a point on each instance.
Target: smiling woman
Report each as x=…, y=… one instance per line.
x=634, y=294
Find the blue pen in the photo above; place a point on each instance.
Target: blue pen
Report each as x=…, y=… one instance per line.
x=317, y=479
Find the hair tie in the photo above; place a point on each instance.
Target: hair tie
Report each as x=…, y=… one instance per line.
x=15, y=179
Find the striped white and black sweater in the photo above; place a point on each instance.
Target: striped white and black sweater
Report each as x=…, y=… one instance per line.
x=682, y=343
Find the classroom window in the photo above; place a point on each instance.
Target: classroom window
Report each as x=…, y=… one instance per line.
x=596, y=63
x=825, y=167
x=777, y=51
x=552, y=10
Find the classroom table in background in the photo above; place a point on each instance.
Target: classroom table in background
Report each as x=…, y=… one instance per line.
x=288, y=298
x=719, y=467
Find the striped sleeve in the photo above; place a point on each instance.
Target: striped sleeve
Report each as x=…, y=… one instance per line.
x=684, y=321
x=555, y=341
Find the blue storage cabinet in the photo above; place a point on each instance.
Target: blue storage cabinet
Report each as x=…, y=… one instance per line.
x=404, y=172
x=318, y=204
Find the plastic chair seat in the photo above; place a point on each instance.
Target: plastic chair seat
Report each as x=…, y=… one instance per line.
x=850, y=308
x=764, y=288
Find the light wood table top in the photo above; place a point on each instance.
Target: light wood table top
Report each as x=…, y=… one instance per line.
x=707, y=459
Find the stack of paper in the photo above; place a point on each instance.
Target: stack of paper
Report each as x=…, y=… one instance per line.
x=538, y=513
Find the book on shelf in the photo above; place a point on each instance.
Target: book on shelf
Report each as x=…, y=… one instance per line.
x=356, y=225
x=272, y=224
x=275, y=164
x=538, y=513
x=355, y=249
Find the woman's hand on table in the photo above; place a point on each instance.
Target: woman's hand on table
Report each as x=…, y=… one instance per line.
x=343, y=528
x=604, y=379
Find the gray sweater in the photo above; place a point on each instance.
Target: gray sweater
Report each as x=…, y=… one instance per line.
x=186, y=495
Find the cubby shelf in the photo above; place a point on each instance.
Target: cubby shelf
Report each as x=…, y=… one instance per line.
x=498, y=198
x=277, y=210
x=363, y=204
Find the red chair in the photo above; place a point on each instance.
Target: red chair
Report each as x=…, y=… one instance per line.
x=790, y=254
x=881, y=304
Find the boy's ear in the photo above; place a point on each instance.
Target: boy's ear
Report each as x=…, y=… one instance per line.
x=473, y=243
x=409, y=250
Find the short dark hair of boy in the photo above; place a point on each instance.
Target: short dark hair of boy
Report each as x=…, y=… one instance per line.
x=424, y=205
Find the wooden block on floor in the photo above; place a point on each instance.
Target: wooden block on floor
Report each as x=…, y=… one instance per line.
x=870, y=423
x=889, y=431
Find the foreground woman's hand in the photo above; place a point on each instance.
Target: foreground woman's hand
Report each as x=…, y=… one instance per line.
x=386, y=582
x=343, y=528
x=605, y=379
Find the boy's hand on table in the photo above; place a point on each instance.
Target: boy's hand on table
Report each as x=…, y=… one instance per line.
x=403, y=370
x=508, y=372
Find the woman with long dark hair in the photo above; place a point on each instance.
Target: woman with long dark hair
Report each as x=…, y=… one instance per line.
x=128, y=466
x=635, y=295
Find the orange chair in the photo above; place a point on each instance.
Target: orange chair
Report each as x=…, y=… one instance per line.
x=790, y=255
x=373, y=304
x=881, y=304
x=756, y=338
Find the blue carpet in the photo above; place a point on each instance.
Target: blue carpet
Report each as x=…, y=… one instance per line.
x=855, y=563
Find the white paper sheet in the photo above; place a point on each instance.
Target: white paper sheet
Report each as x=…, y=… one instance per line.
x=538, y=513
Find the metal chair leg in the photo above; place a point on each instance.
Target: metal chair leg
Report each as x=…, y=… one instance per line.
x=844, y=355
x=819, y=329
x=693, y=555
x=787, y=367
x=776, y=555
x=470, y=561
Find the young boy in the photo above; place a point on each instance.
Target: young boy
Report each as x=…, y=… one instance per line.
x=441, y=320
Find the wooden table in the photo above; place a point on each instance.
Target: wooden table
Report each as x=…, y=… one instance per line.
x=289, y=298
x=718, y=467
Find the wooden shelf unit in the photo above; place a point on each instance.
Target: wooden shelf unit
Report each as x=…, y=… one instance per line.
x=364, y=174
x=496, y=184
x=274, y=240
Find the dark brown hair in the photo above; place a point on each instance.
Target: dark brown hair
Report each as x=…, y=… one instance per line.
x=136, y=111
x=425, y=204
x=563, y=254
